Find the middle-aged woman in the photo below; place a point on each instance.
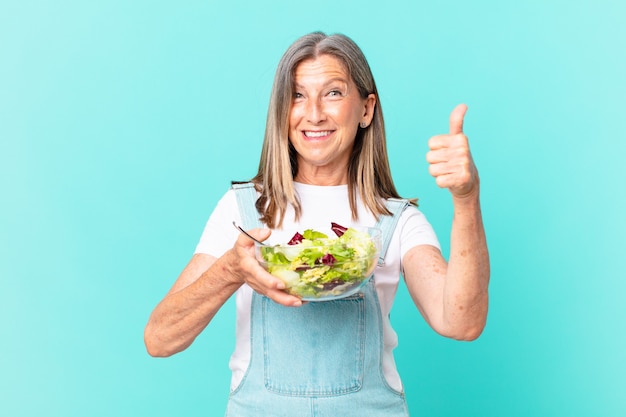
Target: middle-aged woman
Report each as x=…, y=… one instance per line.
x=324, y=160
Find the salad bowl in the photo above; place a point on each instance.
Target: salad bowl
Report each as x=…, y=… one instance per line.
x=316, y=267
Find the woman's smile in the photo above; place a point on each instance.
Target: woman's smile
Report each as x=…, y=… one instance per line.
x=317, y=134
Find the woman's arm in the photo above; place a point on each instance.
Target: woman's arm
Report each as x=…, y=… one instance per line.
x=453, y=296
x=202, y=288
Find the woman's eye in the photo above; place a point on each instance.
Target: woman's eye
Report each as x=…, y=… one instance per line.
x=297, y=95
x=334, y=93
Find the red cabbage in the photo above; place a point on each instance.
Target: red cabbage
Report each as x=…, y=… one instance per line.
x=328, y=259
x=338, y=229
x=297, y=238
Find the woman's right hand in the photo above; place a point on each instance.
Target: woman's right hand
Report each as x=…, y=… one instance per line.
x=246, y=268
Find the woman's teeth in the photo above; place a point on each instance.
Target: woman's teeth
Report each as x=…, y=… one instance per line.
x=310, y=134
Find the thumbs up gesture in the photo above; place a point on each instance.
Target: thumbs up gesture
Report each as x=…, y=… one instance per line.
x=450, y=159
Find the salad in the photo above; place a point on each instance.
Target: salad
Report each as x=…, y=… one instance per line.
x=316, y=266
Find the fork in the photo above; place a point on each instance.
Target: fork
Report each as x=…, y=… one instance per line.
x=248, y=234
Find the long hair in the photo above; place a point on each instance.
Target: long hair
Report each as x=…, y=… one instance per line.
x=369, y=174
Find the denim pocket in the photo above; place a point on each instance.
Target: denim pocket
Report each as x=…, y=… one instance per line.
x=314, y=350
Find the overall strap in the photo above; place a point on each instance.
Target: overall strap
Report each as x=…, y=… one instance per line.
x=388, y=224
x=246, y=199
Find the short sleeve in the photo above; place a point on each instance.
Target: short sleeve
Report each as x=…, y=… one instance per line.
x=416, y=231
x=219, y=235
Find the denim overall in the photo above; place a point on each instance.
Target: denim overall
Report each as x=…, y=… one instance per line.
x=320, y=359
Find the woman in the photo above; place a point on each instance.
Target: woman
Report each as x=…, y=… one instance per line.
x=324, y=160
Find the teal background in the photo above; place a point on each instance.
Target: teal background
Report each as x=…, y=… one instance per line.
x=122, y=123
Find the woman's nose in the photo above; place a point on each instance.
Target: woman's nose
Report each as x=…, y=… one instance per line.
x=315, y=112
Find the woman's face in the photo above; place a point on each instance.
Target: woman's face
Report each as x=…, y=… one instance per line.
x=325, y=114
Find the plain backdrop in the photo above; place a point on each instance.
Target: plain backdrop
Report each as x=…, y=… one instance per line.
x=122, y=123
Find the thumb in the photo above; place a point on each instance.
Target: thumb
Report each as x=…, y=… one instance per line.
x=260, y=234
x=456, y=119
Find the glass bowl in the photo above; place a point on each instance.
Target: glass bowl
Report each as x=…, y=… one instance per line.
x=324, y=269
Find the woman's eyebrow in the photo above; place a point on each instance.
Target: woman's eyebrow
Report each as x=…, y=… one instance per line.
x=336, y=79
x=326, y=83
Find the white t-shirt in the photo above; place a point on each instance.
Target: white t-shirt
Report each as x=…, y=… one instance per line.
x=321, y=205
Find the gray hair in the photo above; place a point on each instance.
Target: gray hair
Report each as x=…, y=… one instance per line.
x=369, y=173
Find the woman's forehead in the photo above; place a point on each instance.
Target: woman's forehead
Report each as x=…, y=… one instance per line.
x=324, y=66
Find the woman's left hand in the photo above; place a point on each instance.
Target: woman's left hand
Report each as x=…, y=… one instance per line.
x=453, y=296
x=450, y=159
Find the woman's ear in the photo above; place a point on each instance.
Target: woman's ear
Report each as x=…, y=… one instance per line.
x=368, y=114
